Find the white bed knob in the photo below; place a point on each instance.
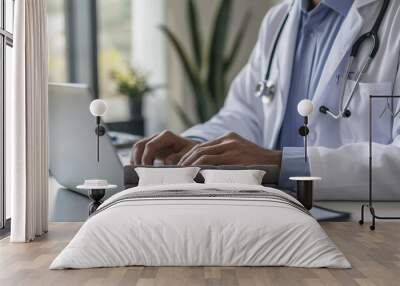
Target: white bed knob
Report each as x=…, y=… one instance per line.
x=98, y=107
x=305, y=107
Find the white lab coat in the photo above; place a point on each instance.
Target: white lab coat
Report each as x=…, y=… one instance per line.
x=339, y=148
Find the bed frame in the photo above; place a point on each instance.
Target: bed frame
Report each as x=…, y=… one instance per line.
x=271, y=178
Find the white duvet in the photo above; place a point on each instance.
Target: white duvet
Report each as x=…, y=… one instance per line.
x=200, y=232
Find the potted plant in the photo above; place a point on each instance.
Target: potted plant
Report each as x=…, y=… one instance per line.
x=135, y=86
x=207, y=66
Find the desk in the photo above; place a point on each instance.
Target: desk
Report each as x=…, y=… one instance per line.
x=66, y=205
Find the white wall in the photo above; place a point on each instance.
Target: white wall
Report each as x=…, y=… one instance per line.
x=153, y=53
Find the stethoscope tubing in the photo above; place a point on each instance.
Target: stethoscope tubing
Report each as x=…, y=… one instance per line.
x=276, y=42
x=372, y=35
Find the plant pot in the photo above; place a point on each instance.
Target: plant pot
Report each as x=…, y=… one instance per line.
x=135, y=107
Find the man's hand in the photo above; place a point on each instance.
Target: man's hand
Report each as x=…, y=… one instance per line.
x=165, y=146
x=230, y=149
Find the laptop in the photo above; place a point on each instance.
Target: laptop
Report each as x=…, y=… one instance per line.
x=72, y=141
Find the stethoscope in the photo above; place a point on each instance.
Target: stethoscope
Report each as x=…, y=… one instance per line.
x=266, y=88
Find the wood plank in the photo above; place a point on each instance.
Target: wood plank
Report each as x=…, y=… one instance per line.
x=375, y=257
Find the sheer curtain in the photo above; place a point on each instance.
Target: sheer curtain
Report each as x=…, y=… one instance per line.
x=26, y=119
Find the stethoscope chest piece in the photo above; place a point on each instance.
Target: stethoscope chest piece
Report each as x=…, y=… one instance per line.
x=266, y=90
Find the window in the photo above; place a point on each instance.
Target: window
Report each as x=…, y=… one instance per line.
x=9, y=16
x=58, y=66
x=6, y=43
x=87, y=41
x=114, y=30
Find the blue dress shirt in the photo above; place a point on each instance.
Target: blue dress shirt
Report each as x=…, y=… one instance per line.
x=317, y=31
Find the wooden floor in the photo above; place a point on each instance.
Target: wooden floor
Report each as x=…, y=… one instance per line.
x=375, y=257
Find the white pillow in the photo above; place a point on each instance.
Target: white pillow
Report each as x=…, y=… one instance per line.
x=245, y=177
x=166, y=176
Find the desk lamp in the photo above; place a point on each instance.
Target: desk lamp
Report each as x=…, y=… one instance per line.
x=98, y=108
x=305, y=184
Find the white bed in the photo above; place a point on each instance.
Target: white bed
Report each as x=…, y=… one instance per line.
x=240, y=228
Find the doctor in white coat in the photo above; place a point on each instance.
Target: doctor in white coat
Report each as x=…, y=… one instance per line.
x=309, y=62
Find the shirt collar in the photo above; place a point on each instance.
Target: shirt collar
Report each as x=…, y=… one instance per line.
x=340, y=6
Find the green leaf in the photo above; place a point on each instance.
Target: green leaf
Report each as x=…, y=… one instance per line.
x=187, y=65
x=217, y=49
x=191, y=72
x=195, y=33
x=207, y=102
x=208, y=78
x=237, y=43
